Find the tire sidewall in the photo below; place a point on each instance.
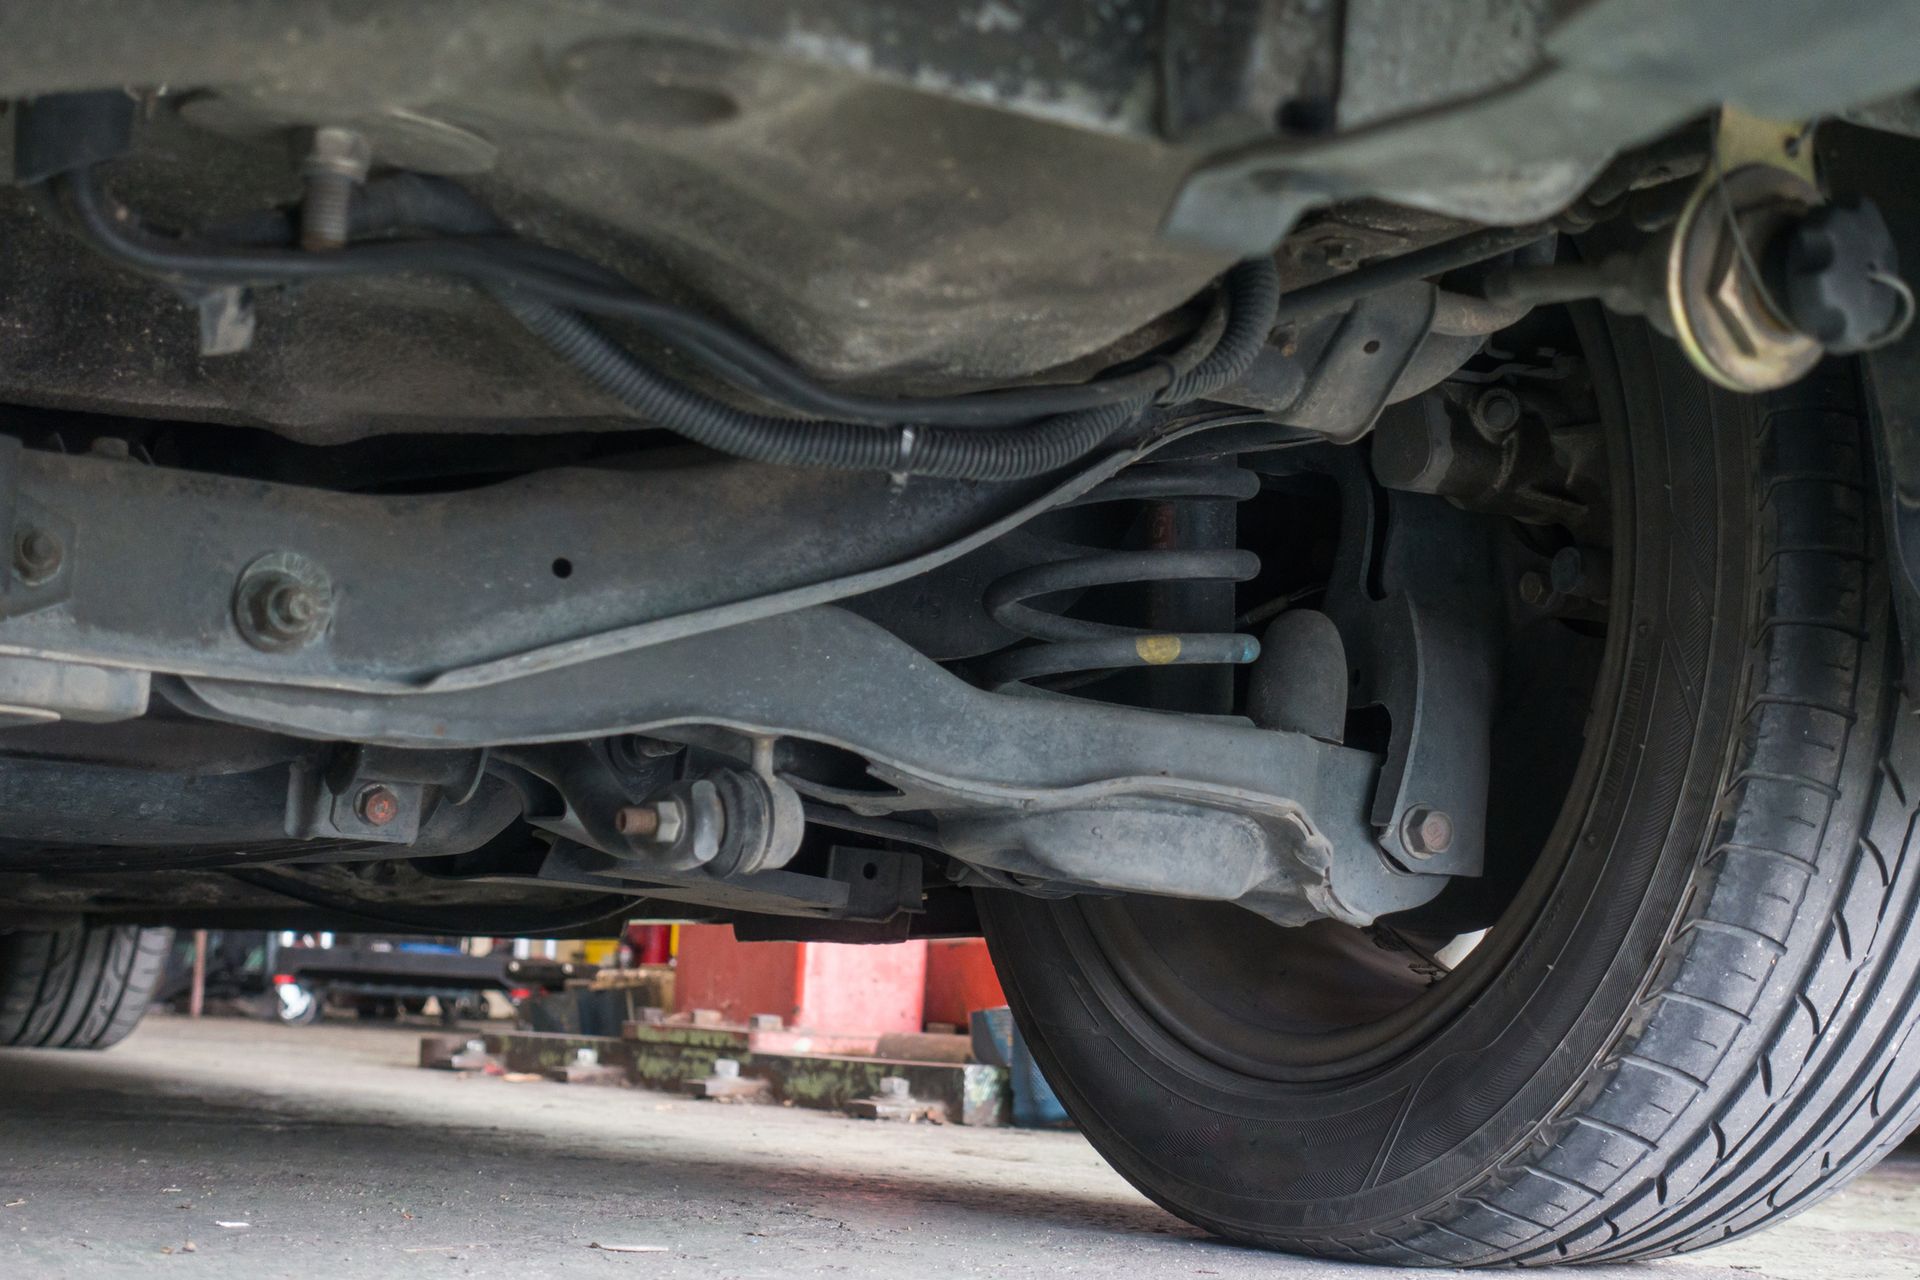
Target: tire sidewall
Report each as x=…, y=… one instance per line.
x=1263, y=1160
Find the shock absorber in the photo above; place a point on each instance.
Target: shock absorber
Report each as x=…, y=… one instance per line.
x=1188, y=565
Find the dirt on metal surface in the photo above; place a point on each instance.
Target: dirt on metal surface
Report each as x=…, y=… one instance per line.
x=343, y=1159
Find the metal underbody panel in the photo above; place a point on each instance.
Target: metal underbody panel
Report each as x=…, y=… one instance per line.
x=907, y=195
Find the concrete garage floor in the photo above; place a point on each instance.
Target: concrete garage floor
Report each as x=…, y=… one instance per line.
x=347, y=1161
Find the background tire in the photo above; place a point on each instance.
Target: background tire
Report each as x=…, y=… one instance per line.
x=82, y=987
x=1705, y=1022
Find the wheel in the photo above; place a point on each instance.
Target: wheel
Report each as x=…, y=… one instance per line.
x=297, y=1006
x=82, y=987
x=1691, y=1013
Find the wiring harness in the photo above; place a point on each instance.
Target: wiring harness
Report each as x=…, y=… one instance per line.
x=999, y=435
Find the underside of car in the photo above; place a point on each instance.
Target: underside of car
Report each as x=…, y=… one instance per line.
x=1363, y=544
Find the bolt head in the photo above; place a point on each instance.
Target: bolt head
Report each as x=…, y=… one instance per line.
x=1426, y=831
x=376, y=805
x=1534, y=589
x=36, y=555
x=1496, y=412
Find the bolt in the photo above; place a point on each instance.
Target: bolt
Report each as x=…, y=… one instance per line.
x=726, y=1068
x=1426, y=831
x=289, y=609
x=280, y=612
x=1534, y=589
x=283, y=601
x=1496, y=412
x=335, y=165
x=657, y=822
x=894, y=1087
x=640, y=821
x=376, y=805
x=36, y=555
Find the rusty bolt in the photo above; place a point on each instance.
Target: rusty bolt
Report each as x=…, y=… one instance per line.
x=638, y=820
x=661, y=822
x=36, y=555
x=376, y=805
x=1426, y=831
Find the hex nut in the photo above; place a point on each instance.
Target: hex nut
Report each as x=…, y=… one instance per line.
x=376, y=805
x=1426, y=831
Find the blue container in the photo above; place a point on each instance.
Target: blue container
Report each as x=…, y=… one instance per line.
x=997, y=1040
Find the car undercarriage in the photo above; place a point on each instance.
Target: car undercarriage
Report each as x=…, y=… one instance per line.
x=1217, y=495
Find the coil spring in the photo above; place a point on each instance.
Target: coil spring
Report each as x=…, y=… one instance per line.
x=1069, y=646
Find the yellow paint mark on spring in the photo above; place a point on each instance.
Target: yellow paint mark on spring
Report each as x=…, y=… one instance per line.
x=1157, y=650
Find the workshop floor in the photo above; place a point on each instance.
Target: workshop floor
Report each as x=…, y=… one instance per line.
x=227, y=1148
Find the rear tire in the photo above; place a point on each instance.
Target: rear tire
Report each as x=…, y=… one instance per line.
x=82, y=987
x=1704, y=1023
